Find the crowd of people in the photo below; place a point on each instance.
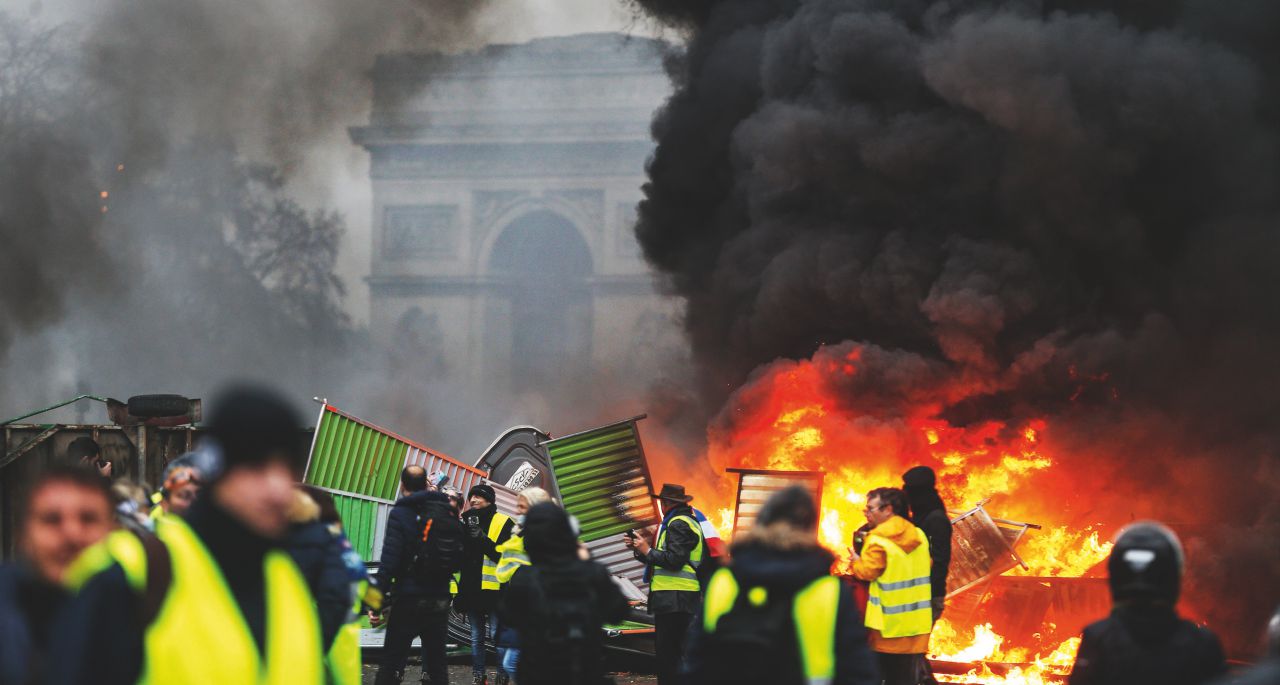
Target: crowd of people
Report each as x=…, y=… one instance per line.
x=235, y=573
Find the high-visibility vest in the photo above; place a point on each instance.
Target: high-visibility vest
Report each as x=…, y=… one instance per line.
x=120, y=546
x=513, y=557
x=900, y=602
x=814, y=612
x=489, y=572
x=343, y=658
x=199, y=609
x=686, y=579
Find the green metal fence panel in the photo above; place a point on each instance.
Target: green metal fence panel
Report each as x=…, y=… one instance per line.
x=359, y=519
x=603, y=480
x=360, y=464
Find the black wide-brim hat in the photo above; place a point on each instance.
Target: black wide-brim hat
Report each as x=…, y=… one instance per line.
x=673, y=493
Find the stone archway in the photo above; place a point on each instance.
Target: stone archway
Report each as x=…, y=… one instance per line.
x=540, y=318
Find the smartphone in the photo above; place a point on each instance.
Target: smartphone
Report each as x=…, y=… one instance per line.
x=631, y=534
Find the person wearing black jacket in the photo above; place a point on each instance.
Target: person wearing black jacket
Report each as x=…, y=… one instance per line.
x=559, y=604
x=1144, y=641
x=478, y=586
x=318, y=554
x=929, y=514
x=420, y=605
x=673, y=551
x=780, y=555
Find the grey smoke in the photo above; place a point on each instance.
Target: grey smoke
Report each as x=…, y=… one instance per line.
x=1060, y=208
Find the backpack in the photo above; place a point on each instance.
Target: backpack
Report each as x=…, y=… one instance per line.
x=568, y=611
x=754, y=644
x=437, y=548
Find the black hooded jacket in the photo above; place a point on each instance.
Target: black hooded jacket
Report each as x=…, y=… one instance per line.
x=930, y=515
x=1147, y=644
x=318, y=552
x=556, y=581
x=471, y=596
x=784, y=561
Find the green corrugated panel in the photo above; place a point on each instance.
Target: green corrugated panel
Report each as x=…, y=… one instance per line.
x=349, y=456
x=602, y=479
x=359, y=520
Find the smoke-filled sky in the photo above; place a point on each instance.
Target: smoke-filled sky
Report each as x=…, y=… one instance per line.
x=1059, y=208
x=182, y=203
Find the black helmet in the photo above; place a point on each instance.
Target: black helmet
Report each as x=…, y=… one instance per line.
x=1146, y=564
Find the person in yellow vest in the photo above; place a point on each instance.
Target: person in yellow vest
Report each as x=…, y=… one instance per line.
x=895, y=560
x=513, y=557
x=178, y=493
x=776, y=614
x=320, y=550
x=217, y=600
x=478, y=586
x=675, y=593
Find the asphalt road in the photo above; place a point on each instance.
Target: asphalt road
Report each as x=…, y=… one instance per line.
x=461, y=675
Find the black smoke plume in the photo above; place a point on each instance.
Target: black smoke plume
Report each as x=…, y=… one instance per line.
x=1062, y=208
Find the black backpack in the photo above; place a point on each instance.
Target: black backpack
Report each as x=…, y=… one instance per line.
x=437, y=545
x=568, y=611
x=754, y=644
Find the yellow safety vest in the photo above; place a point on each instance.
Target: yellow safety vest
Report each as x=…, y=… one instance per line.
x=199, y=610
x=343, y=658
x=900, y=599
x=686, y=579
x=814, y=613
x=489, y=572
x=513, y=557
x=120, y=546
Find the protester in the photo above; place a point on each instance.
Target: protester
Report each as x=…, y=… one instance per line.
x=86, y=452
x=421, y=549
x=478, y=586
x=559, y=605
x=513, y=557
x=929, y=514
x=775, y=615
x=64, y=510
x=131, y=504
x=179, y=491
x=895, y=560
x=218, y=601
x=1144, y=640
x=343, y=660
x=675, y=594
x=319, y=556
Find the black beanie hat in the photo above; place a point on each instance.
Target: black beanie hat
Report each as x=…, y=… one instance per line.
x=253, y=425
x=484, y=490
x=919, y=477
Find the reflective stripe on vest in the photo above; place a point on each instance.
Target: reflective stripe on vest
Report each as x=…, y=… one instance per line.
x=200, y=610
x=814, y=613
x=513, y=557
x=899, y=604
x=489, y=570
x=119, y=547
x=686, y=579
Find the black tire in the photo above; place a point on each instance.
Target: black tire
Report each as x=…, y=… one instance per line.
x=153, y=406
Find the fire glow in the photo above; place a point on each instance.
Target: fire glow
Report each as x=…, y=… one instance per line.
x=788, y=418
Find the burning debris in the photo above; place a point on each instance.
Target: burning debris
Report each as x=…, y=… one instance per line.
x=1029, y=244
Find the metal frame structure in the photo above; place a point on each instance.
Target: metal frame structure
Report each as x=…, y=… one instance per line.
x=797, y=476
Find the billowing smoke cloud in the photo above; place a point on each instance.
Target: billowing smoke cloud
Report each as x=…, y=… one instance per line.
x=1061, y=209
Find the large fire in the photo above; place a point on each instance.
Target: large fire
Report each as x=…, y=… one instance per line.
x=788, y=419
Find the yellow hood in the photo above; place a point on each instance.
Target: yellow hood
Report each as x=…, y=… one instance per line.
x=900, y=532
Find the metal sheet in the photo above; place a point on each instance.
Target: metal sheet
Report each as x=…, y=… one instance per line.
x=603, y=479
x=360, y=522
x=620, y=560
x=352, y=456
x=756, y=486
